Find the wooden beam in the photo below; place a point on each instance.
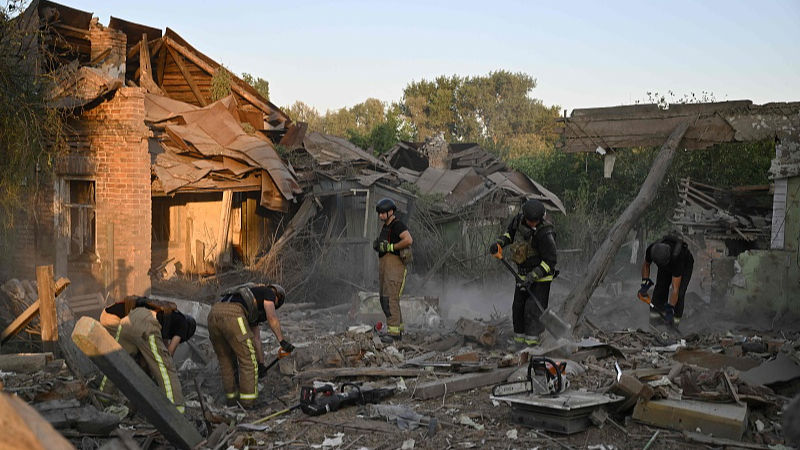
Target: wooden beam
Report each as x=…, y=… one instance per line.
x=176, y=56
x=20, y=322
x=146, y=73
x=23, y=362
x=235, y=87
x=161, y=64
x=24, y=429
x=106, y=353
x=47, y=308
x=572, y=309
x=461, y=383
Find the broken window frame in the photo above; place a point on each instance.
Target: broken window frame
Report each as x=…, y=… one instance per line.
x=84, y=234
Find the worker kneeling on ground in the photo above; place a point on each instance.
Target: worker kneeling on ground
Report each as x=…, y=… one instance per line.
x=233, y=326
x=152, y=330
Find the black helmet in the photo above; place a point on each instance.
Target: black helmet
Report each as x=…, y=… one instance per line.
x=192, y=326
x=280, y=294
x=533, y=210
x=385, y=205
x=660, y=253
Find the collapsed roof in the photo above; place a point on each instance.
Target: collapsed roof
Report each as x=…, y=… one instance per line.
x=198, y=145
x=465, y=174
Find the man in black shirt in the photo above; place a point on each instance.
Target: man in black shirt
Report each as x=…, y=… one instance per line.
x=675, y=264
x=233, y=326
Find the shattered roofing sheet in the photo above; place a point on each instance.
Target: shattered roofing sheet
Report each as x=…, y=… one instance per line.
x=76, y=88
x=326, y=149
x=460, y=185
x=209, y=143
x=520, y=183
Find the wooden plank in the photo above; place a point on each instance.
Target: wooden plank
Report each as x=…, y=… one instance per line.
x=20, y=322
x=77, y=362
x=23, y=362
x=152, y=404
x=24, y=429
x=146, y=73
x=47, y=309
x=186, y=74
x=461, y=383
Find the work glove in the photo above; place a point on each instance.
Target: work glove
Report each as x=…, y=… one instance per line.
x=669, y=314
x=262, y=370
x=537, y=273
x=496, y=250
x=385, y=247
x=646, y=284
x=376, y=244
x=286, y=346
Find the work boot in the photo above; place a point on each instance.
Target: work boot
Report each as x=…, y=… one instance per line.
x=391, y=338
x=531, y=340
x=519, y=341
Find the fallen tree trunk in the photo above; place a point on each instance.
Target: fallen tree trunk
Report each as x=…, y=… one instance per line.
x=573, y=308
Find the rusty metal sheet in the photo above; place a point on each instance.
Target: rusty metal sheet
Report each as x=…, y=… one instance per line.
x=158, y=108
x=519, y=183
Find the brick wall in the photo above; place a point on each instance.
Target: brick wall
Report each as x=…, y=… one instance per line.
x=32, y=241
x=118, y=136
x=102, y=39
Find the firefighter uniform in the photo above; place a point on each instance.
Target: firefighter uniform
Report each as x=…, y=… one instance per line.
x=392, y=276
x=530, y=242
x=170, y=323
x=231, y=324
x=140, y=332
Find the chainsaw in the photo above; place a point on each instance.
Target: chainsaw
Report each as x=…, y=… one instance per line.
x=318, y=401
x=545, y=377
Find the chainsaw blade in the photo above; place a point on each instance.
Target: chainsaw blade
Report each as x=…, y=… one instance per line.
x=538, y=385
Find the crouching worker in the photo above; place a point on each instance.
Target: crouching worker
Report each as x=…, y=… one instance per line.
x=150, y=331
x=233, y=326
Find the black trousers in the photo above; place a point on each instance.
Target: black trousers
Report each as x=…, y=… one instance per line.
x=525, y=313
x=662, y=287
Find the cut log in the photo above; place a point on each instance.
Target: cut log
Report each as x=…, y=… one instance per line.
x=152, y=404
x=23, y=362
x=485, y=334
x=573, y=308
x=461, y=383
x=22, y=428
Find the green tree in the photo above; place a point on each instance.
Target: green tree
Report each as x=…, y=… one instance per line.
x=259, y=84
x=303, y=112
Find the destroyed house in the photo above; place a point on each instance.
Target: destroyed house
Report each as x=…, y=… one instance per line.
x=156, y=175
x=744, y=239
x=347, y=181
x=471, y=189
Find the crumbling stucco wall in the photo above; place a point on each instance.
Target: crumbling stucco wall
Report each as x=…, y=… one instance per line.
x=769, y=280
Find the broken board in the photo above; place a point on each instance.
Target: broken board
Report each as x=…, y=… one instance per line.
x=565, y=413
x=723, y=420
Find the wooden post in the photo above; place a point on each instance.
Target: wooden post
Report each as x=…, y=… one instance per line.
x=47, y=309
x=573, y=308
x=106, y=353
x=23, y=428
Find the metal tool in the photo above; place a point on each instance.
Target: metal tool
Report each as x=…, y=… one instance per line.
x=545, y=377
x=552, y=323
x=646, y=298
x=281, y=354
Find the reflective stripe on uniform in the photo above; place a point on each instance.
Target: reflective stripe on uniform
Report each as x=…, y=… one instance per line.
x=181, y=409
x=253, y=395
x=232, y=395
x=105, y=378
x=403, y=284
x=394, y=330
x=545, y=267
x=161, y=368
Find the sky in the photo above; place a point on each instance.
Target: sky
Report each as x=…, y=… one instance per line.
x=583, y=54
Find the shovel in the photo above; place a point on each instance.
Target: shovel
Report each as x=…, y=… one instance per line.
x=552, y=323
